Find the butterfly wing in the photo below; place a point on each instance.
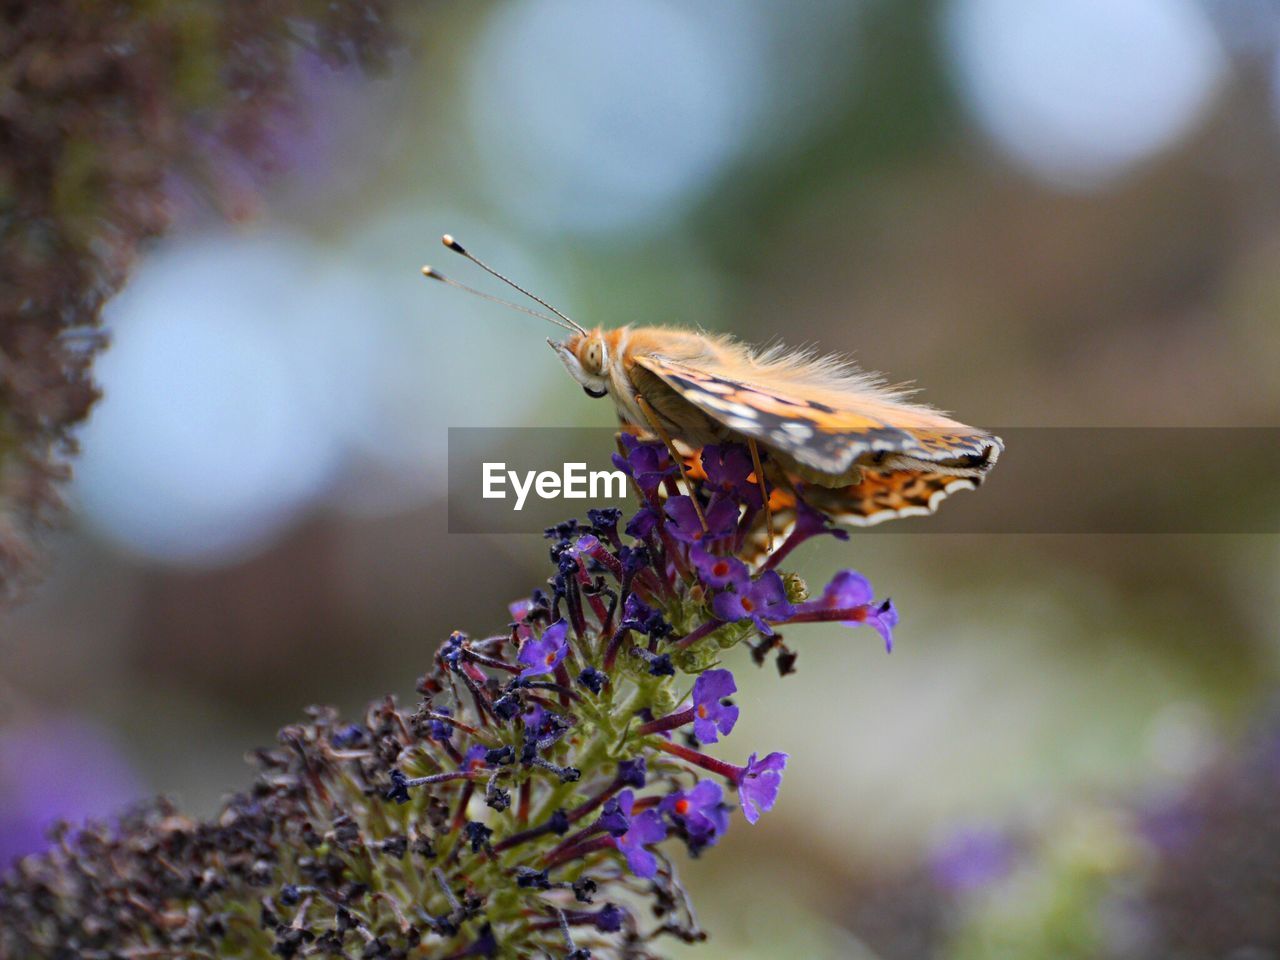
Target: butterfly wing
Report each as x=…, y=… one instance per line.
x=878, y=497
x=828, y=432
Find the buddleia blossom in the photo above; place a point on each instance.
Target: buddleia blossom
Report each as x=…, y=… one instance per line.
x=526, y=805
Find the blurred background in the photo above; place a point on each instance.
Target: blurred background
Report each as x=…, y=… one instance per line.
x=1061, y=213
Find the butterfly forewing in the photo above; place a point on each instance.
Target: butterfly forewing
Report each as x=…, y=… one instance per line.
x=827, y=439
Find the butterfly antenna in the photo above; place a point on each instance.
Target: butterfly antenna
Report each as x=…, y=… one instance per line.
x=434, y=274
x=456, y=247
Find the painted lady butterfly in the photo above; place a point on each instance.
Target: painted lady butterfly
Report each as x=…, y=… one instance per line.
x=842, y=440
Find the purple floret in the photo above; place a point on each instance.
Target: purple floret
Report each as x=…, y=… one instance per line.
x=615, y=815
x=728, y=469
x=712, y=718
x=545, y=653
x=850, y=590
x=765, y=600
x=646, y=828
x=758, y=784
x=685, y=525
x=719, y=573
x=648, y=464
x=701, y=810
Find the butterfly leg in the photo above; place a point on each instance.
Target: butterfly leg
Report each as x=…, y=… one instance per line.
x=764, y=493
x=649, y=414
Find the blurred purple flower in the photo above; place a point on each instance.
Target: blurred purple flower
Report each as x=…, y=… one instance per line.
x=609, y=918
x=702, y=811
x=1172, y=825
x=57, y=769
x=972, y=858
x=473, y=759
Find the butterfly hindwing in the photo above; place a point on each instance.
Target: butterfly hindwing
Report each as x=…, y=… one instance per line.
x=886, y=496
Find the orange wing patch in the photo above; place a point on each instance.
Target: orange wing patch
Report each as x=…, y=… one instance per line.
x=887, y=496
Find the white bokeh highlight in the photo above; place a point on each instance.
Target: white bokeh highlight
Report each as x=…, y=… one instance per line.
x=222, y=389
x=251, y=378
x=607, y=115
x=1078, y=92
x=439, y=357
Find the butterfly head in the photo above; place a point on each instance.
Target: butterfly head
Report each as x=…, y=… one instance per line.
x=587, y=354
x=586, y=357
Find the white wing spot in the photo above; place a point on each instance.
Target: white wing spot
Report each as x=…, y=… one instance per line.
x=801, y=431
x=714, y=386
x=726, y=406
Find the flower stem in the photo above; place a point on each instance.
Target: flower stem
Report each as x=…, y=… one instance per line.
x=709, y=627
x=574, y=853
x=857, y=613
x=727, y=770
x=669, y=722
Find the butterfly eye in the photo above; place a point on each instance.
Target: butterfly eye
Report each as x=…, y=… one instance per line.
x=592, y=358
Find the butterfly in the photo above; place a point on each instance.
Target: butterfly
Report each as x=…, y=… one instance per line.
x=842, y=440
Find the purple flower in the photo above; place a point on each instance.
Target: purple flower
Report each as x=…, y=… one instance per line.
x=850, y=590
x=758, y=784
x=604, y=522
x=645, y=828
x=520, y=611
x=584, y=546
x=609, y=918
x=544, y=654
x=638, y=615
x=711, y=718
x=717, y=573
x=648, y=464
x=612, y=817
x=722, y=520
x=632, y=772
x=440, y=729
x=728, y=468
x=593, y=679
x=474, y=758
x=701, y=810
x=764, y=600
x=534, y=718
x=642, y=524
